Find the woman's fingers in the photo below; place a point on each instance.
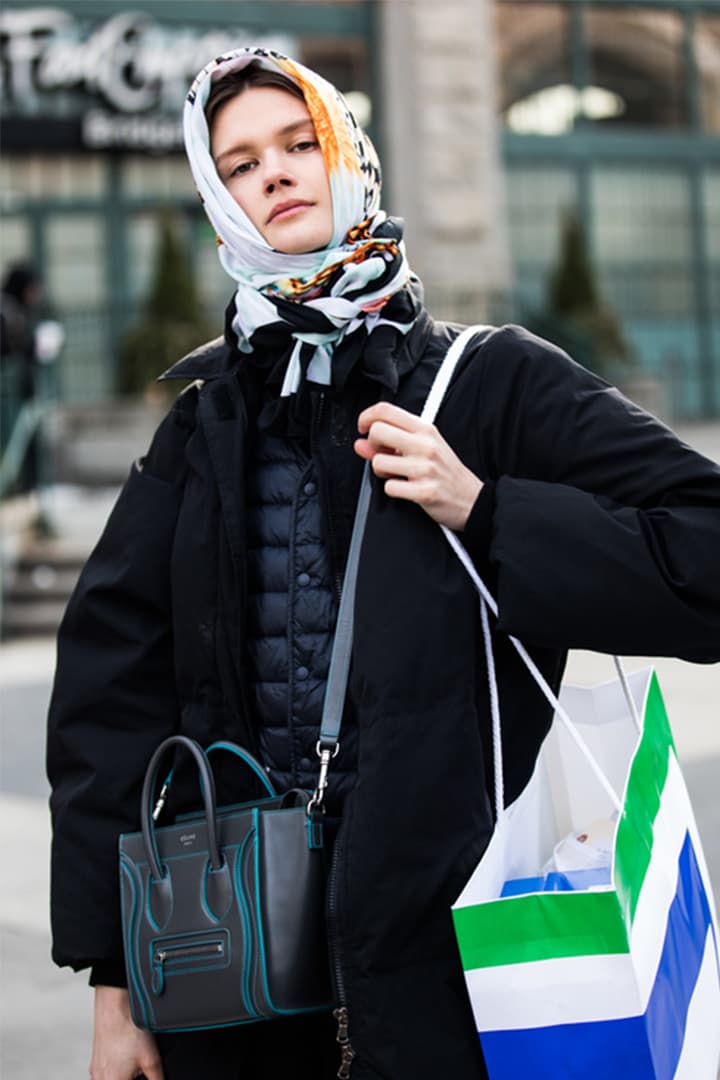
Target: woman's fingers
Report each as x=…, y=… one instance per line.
x=385, y=437
x=403, y=467
x=416, y=463
x=393, y=415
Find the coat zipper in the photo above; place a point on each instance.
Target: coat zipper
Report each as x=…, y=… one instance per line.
x=341, y=1013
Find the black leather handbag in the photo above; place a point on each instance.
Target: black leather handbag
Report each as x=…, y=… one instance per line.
x=223, y=912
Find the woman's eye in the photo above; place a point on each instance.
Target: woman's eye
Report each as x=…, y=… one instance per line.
x=305, y=144
x=241, y=169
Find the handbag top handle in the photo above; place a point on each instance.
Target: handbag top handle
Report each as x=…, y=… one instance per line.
x=148, y=815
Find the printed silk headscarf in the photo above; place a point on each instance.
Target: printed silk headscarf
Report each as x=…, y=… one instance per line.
x=322, y=297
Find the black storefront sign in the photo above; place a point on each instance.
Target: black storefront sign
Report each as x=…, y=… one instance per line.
x=117, y=84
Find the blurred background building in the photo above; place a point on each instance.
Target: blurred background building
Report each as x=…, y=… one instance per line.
x=493, y=119
x=557, y=163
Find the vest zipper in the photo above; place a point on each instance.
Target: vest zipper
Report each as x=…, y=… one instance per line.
x=341, y=1013
x=332, y=546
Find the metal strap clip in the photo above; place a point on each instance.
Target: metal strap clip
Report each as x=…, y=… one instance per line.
x=326, y=754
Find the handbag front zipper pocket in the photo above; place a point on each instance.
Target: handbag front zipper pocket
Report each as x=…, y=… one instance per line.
x=182, y=956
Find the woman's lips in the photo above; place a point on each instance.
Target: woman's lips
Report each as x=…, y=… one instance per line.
x=288, y=209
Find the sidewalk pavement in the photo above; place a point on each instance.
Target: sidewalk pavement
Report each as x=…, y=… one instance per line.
x=45, y=1013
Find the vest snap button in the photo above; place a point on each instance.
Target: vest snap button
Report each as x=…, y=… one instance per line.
x=303, y=579
x=302, y=673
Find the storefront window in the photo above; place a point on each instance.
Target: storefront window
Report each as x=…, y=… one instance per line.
x=195, y=234
x=707, y=53
x=57, y=177
x=76, y=261
x=76, y=286
x=711, y=201
x=157, y=178
x=535, y=67
x=642, y=240
x=537, y=199
x=711, y=193
x=637, y=55
x=142, y=231
x=15, y=240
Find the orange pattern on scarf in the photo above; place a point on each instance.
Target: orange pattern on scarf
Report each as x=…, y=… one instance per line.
x=330, y=125
x=296, y=288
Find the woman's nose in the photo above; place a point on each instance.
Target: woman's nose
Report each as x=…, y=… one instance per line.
x=276, y=175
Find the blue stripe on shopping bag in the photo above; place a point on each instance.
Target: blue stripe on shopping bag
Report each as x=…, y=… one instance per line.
x=646, y=1047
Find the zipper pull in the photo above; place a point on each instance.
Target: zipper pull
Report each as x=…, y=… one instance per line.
x=158, y=974
x=346, y=1053
x=346, y=1059
x=343, y=1020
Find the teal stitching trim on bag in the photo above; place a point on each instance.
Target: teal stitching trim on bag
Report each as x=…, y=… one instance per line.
x=239, y=752
x=276, y=1009
x=314, y=833
x=148, y=912
x=206, y=907
x=247, y=926
x=133, y=959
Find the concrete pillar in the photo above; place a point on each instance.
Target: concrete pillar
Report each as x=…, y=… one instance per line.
x=440, y=150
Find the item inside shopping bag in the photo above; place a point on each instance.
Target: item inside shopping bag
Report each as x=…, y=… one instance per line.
x=570, y=881
x=580, y=861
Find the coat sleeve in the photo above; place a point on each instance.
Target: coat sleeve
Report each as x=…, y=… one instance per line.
x=603, y=527
x=113, y=699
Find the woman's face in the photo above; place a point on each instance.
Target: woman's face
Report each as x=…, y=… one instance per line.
x=266, y=153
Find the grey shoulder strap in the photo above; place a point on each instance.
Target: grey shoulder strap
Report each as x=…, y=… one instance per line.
x=342, y=645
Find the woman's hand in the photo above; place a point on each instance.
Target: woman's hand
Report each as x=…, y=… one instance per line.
x=120, y=1051
x=417, y=464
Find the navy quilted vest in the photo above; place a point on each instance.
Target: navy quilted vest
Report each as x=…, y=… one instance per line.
x=292, y=607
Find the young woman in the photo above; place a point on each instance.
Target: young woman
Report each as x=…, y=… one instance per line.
x=209, y=604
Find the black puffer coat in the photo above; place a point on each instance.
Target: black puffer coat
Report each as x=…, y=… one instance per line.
x=596, y=528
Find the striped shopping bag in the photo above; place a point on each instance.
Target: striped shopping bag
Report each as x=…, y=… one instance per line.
x=618, y=980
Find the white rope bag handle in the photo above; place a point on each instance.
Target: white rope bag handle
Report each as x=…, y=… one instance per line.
x=429, y=413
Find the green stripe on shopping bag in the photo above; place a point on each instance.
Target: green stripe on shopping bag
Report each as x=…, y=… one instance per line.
x=648, y=775
x=541, y=926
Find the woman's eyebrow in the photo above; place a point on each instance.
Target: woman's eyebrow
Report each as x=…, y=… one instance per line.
x=244, y=148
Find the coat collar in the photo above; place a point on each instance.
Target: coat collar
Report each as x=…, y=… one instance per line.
x=215, y=358
x=208, y=361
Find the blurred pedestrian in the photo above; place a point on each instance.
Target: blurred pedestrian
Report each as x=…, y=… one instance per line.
x=20, y=301
x=209, y=605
